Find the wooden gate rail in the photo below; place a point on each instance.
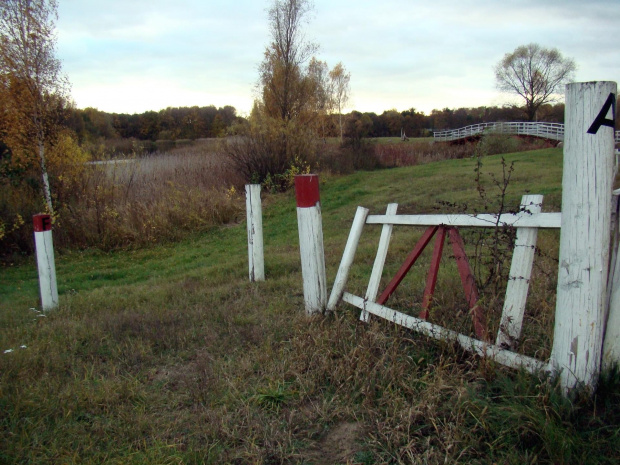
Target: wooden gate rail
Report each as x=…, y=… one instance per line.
x=527, y=221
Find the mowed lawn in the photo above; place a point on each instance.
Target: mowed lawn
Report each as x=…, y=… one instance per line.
x=169, y=354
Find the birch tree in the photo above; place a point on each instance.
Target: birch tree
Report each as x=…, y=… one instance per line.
x=340, y=89
x=34, y=92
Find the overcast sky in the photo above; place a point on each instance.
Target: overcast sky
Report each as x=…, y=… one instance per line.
x=130, y=56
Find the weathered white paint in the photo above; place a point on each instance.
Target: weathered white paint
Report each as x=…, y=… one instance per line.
x=377, y=268
x=347, y=257
x=611, y=341
x=584, y=243
x=518, y=220
x=519, y=277
x=256, y=257
x=310, y=227
x=483, y=349
x=47, y=269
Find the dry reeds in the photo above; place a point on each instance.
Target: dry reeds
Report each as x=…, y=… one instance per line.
x=143, y=200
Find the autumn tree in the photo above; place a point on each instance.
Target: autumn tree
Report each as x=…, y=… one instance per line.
x=321, y=92
x=535, y=74
x=286, y=86
x=280, y=133
x=33, y=90
x=340, y=89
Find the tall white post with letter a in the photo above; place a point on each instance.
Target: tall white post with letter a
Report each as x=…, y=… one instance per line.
x=587, y=185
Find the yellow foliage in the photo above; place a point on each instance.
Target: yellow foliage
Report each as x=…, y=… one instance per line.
x=66, y=156
x=5, y=228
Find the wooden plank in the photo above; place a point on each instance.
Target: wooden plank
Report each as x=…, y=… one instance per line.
x=406, y=266
x=46, y=265
x=256, y=258
x=312, y=258
x=347, y=257
x=468, y=282
x=520, y=220
x=431, y=279
x=519, y=277
x=587, y=185
x=483, y=349
x=377, y=268
x=611, y=342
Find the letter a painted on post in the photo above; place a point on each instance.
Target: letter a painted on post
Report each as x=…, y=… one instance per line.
x=601, y=119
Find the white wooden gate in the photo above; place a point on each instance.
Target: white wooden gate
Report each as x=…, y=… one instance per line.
x=527, y=222
x=582, y=334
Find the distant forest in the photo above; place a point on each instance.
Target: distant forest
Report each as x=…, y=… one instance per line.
x=173, y=124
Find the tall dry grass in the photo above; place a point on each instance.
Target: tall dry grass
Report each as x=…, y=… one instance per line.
x=142, y=200
x=423, y=151
x=134, y=201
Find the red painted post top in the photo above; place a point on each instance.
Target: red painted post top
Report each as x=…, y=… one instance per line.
x=42, y=222
x=307, y=190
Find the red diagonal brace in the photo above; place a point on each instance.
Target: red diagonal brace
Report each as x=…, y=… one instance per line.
x=411, y=259
x=431, y=280
x=469, y=284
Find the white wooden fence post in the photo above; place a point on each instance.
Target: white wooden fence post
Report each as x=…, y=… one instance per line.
x=256, y=257
x=45, y=261
x=377, y=267
x=347, y=258
x=611, y=342
x=310, y=227
x=519, y=277
x=587, y=185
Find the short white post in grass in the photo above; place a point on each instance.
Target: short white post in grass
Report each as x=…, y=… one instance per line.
x=45, y=261
x=587, y=185
x=256, y=257
x=310, y=227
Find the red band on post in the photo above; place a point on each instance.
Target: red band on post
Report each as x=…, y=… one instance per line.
x=307, y=190
x=42, y=222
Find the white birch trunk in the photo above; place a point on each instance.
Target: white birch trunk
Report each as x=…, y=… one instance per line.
x=47, y=193
x=584, y=243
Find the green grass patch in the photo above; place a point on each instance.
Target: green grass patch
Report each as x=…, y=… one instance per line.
x=169, y=355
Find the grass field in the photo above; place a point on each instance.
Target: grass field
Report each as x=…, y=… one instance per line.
x=168, y=354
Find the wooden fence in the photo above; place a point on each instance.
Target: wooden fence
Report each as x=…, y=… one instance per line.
x=585, y=286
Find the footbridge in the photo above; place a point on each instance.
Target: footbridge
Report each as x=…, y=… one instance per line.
x=549, y=131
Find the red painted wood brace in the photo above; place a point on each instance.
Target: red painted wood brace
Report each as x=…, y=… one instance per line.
x=467, y=277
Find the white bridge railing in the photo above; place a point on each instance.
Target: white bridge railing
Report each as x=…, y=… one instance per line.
x=552, y=131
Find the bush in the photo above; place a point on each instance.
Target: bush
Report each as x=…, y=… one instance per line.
x=121, y=203
x=271, y=152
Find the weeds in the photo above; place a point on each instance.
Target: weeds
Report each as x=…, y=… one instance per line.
x=169, y=355
x=132, y=202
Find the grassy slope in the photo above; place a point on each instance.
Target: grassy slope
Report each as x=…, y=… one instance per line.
x=169, y=355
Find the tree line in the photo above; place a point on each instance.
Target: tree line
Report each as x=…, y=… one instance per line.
x=412, y=123
x=195, y=122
